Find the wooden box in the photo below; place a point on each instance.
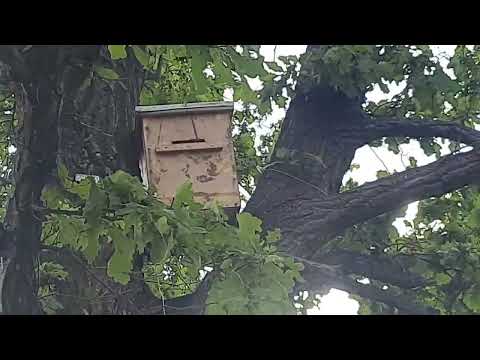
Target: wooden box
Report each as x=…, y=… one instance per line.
x=189, y=142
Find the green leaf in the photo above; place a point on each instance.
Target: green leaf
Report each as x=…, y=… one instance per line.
x=412, y=161
x=63, y=173
x=92, y=246
x=274, y=66
x=382, y=174
x=442, y=279
x=273, y=236
x=230, y=294
x=248, y=228
x=141, y=239
x=383, y=87
x=117, y=51
x=141, y=55
x=96, y=204
x=223, y=74
x=248, y=66
x=81, y=188
x=255, y=48
x=127, y=187
x=226, y=264
x=120, y=264
x=273, y=258
x=244, y=93
x=162, y=225
x=53, y=270
x=393, y=145
x=281, y=101
x=53, y=197
x=161, y=248
x=68, y=232
x=364, y=309
x=183, y=195
x=106, y=73
x=472, y=298
x=199, y=58
x=474, y=218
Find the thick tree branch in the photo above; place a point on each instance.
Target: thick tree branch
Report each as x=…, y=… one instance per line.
x=318, y=277
x=383, y=268
x=330, y=216
x=397, y=127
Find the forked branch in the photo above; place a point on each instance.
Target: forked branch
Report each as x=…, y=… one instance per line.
x=383, y=268
x=330, y=216
x=406, y=304
x=380, y=127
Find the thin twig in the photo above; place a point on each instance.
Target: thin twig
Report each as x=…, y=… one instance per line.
x=330, y=268
x=95, y=128
x=298, y=179
x=379, y=158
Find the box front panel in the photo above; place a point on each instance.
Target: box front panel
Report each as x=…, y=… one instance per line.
x=211, y=170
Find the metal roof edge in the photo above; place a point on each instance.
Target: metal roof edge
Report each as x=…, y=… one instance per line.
x=189, y=107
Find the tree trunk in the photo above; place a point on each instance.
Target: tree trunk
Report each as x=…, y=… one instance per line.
x=312, y=154
x=97, y=137
x=68, y=116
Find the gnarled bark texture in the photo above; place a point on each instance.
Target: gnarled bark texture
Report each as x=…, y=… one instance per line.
x=66, y=116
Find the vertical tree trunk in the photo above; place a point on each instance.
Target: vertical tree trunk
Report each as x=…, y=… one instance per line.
x=96, y=131
x=38, y=105
x=313, y=153
x=66, y=115
x=97, y=137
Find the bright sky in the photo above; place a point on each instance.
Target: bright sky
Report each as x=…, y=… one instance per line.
x=337, y=302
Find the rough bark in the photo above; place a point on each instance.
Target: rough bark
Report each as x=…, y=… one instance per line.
x=97, y=137
x=381, y=268
x=66, y=116
x=403, y=301
x=96, y=132
x=414, y=128
x=322, y=217
x=39, y=104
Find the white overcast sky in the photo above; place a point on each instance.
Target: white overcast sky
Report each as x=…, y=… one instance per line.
x=338, y=302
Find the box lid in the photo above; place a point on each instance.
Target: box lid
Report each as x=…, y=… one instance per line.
x=184, y=108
